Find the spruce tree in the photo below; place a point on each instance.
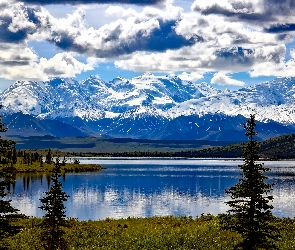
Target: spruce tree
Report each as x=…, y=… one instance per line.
x=250, y=214
x=48, y=158
x=14, y=154
x=54, y=219
x=8, y=214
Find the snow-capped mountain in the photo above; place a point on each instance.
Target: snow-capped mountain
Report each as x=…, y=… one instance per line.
x=153, y=107
x=270, y=101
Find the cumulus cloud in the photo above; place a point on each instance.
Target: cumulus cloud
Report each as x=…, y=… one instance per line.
x=223, y=45
x=20, y=24
x=223, y=79
x=270, y=14
x=193, y=76
x=282, y=68
x=120, y=12
x=121, y=38
x=218, y=35
x=28, y=66
x=64, y=65
x=17, y=22
x=200, y=57
x=10, y=56
x=76, y=2
x=140, y=32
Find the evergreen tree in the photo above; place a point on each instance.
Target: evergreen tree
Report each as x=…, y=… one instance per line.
x=64, y=160
x=250, y=214
x=41, y=161
x=8, y=214
x=48, y=158
x=54, y=219
x=14, y=154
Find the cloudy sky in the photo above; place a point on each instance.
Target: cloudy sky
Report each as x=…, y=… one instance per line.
x=228, y=43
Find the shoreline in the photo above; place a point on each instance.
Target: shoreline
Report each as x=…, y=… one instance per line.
x=47, y=168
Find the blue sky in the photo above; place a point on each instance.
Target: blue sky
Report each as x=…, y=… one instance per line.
x=228, y=43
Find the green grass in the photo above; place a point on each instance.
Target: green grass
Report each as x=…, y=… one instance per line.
x=147, y=233
x=69, y=167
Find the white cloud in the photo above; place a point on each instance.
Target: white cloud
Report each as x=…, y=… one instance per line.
x=27, y=66
x=261, y=13
x=223, y=79
x=292, y=53
x=120, y=12
x=18, y=64
x=221, y=39
x=234, y=6
x=283, y=69
x=193, y=76
x=63, y=65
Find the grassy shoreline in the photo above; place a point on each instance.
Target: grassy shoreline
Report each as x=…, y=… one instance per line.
x=46, y=168
x=147, y=233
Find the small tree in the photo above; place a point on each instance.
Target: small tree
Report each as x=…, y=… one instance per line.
x=250, y=214
x=64, y=160
x=48, y=158
x=54, y=219
x=14, y=155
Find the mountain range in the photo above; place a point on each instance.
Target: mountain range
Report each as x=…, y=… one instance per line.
x=149, y=107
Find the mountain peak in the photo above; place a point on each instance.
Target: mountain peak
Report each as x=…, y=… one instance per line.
x=147, y=100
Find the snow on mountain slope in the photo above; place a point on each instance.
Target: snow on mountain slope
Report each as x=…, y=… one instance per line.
x=270, y=101
x=58, y=97
x=95, y=99
x=151, y=106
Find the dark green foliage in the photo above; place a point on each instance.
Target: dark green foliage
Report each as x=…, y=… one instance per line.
x=48, y=158
x=281, y=147
x=14, y=154
x=64, y=160
x=8, y=214
x=76, y=161
x=54, y=219
x=250, y=213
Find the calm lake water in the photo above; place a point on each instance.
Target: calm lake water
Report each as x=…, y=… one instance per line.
x=152, y=187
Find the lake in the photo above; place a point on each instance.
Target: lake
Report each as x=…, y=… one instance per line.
x=145, y=187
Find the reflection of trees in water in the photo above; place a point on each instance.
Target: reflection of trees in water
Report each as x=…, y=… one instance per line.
x=29, y=178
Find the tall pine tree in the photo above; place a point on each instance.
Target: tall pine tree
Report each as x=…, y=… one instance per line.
x=8, y=214
x=54, y=219
x=250, y=214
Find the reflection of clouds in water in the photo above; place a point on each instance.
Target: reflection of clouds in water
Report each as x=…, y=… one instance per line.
x=28, y=205
x=283, y=202
x=160, y=161
x=85, y=196
x=93, y=204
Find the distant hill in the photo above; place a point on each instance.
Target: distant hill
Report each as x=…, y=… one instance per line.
x=282, y=147
x=109, y=146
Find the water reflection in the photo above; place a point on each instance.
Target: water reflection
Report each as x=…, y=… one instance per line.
x=144, y=188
